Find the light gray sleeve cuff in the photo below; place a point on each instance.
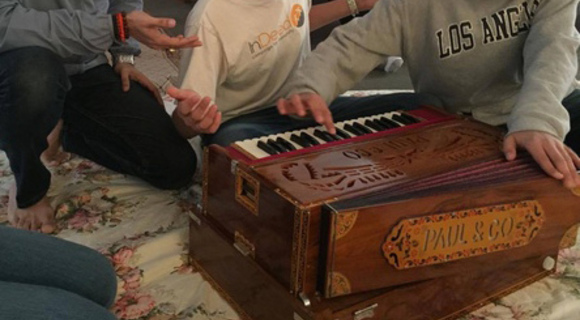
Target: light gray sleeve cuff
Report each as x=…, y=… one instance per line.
x=556, y=127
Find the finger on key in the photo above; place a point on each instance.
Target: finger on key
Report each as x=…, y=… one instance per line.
x=297, y=105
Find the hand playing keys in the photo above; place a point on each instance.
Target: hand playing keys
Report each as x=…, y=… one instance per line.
x=304, y=104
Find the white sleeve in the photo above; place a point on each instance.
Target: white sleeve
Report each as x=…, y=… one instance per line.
x=203, y=68
x=550, y=65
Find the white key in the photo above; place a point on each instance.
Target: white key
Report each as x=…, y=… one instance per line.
x=251, y=145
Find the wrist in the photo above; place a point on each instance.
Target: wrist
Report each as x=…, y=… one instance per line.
x=124, y=58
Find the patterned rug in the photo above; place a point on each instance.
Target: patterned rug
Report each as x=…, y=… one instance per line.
x=143, y=231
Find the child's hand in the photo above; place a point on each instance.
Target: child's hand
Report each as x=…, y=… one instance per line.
x=550, y=153
x=199, y=114
x=128, y=72
x=145, y=29
x=304, y=104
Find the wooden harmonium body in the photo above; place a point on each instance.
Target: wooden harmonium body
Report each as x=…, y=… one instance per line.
x=431, y=200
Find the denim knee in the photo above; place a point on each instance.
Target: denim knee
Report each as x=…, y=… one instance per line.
x=104, y=286
x=33, y=85
x=174, y=169
x=65, y=265
x=21, y=301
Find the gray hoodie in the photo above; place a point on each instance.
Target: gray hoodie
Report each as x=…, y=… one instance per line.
x=504, y=61
x=79, y=31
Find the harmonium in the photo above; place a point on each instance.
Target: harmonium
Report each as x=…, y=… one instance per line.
x=405, y=215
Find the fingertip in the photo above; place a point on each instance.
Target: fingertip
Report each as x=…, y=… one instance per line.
x=169, y=23
x=569, y=184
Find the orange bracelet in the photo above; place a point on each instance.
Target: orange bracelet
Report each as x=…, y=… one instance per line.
x=120, y=26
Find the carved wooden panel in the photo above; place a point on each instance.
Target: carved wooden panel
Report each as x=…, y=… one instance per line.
x=350, y=169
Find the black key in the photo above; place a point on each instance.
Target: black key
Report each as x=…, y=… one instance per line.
x=400, y=119
x=324, y=135
x=334, y=137
x=300, y=141
x=376, y=125
x=384, y=125
x=389, y=122
x=353, y=130
x=309, y=138
x=342, y=134
x=410, y=118
x=286, y=144
x=321, y=135
x=276, y=146
x=361, y=127
x=372, y=124
x=266, y=147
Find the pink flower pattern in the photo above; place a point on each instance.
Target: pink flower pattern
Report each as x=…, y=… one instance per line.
x=134, y=305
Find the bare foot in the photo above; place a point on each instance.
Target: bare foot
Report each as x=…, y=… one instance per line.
x=53, y=156
x=39, y=217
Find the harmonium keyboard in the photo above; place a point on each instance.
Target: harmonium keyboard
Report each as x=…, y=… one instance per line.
x=406, y=215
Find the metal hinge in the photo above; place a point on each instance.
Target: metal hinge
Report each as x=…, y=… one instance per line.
x=304, y=299
x=233, y=166
x=366, y=313
x=244, y=246
x=194, y=218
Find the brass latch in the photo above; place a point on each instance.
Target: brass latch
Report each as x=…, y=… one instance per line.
x=247, y=191
x=244, y=246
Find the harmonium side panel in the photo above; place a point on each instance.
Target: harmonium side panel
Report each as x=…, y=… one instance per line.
x=445, y=234
x=260, y=223
x=352, y=170
x=254, y=294
x=447, y=298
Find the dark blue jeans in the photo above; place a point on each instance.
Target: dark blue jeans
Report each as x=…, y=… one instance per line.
x=42, y=277
x=268, y=121
x=128, y=132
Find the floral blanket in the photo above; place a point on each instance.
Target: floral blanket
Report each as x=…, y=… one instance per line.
x=143, y=231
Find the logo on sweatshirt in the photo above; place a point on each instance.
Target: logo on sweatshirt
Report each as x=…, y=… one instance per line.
x=297, y=16
x=505, y=24
x=267, y=40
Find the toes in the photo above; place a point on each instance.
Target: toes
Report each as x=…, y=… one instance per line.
x=48, y=228
x=47, y=222
x=24, y=224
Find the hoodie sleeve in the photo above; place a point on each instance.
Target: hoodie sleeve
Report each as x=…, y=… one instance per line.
x=131, y=46
x=65, y=32
x=351, y=52
x=550, y=66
